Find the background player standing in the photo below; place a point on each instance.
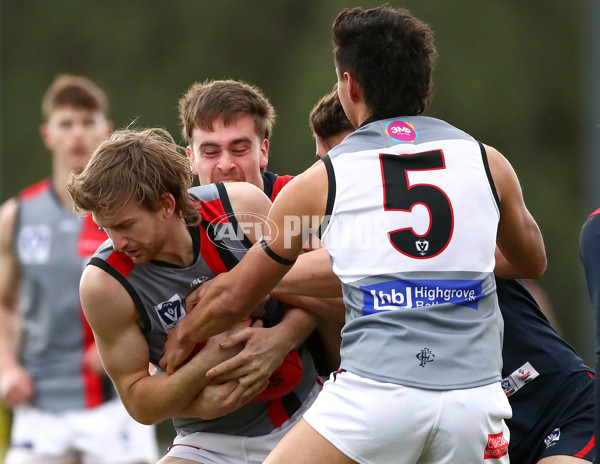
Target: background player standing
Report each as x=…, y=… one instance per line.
x=64, y=405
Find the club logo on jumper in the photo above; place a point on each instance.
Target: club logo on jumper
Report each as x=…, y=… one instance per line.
x=34, y=244
x=401, y=130
x=553, y=438
x=405, y=294
x=496, y=446
x=425, y=356
x=170, y=312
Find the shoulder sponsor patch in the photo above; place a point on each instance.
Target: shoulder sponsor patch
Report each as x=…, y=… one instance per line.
x=401, y=131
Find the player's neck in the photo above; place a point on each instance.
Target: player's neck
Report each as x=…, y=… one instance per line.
x=178, y=248
x=59, y=185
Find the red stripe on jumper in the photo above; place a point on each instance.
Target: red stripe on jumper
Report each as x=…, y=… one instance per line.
x=587, y=448
x=92, y=382
x=90, y=237
x=210, y=254
x=277, y=412
x=120, y=262
x=279, y=183
x=595, y=212
x=35, y=189
x=213, y=211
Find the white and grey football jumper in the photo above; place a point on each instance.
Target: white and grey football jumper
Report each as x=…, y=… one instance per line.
x=411, y=234
x=52, y=246
x=159, y=290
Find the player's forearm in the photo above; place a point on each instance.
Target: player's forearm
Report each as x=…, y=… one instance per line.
x=326, y=308
x=152, y=399
x=206, y=410
x=311, y=275
x=295, y=327
x=8, y=357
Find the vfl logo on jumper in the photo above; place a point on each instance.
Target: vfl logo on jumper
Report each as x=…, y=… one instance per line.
x=519, y=378
x=400, y=294
x=553, y=438
x=170, y=312
x=425, y=356
x=34, y=244
x=401, y=130
x=422, y=246
x=496, y=446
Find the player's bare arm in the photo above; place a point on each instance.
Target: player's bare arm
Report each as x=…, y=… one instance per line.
x=232, y=296
x=311, y=275
x=16, y=385
x=124, y=352
x=519, y=238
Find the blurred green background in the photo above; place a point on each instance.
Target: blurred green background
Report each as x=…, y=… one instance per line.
x=518, y=75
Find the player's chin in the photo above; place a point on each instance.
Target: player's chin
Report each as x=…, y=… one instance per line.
x=140, y=259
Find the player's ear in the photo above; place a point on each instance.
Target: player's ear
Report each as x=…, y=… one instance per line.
x=45, y=135
x=264, y=154
x=353, y=87
x=190, y=155
x=167, y=204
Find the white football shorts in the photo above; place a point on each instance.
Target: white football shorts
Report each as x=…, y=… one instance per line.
x=103, y=435
x=380, y=423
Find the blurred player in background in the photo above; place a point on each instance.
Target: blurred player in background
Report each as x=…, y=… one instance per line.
x=65, y=408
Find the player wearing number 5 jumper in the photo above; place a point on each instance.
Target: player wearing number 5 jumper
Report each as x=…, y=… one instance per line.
x=421, y=347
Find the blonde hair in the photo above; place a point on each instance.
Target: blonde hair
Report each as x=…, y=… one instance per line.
x=134, y=165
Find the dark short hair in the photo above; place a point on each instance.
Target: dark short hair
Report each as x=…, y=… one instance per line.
x=204, y=102
x=390, y=53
